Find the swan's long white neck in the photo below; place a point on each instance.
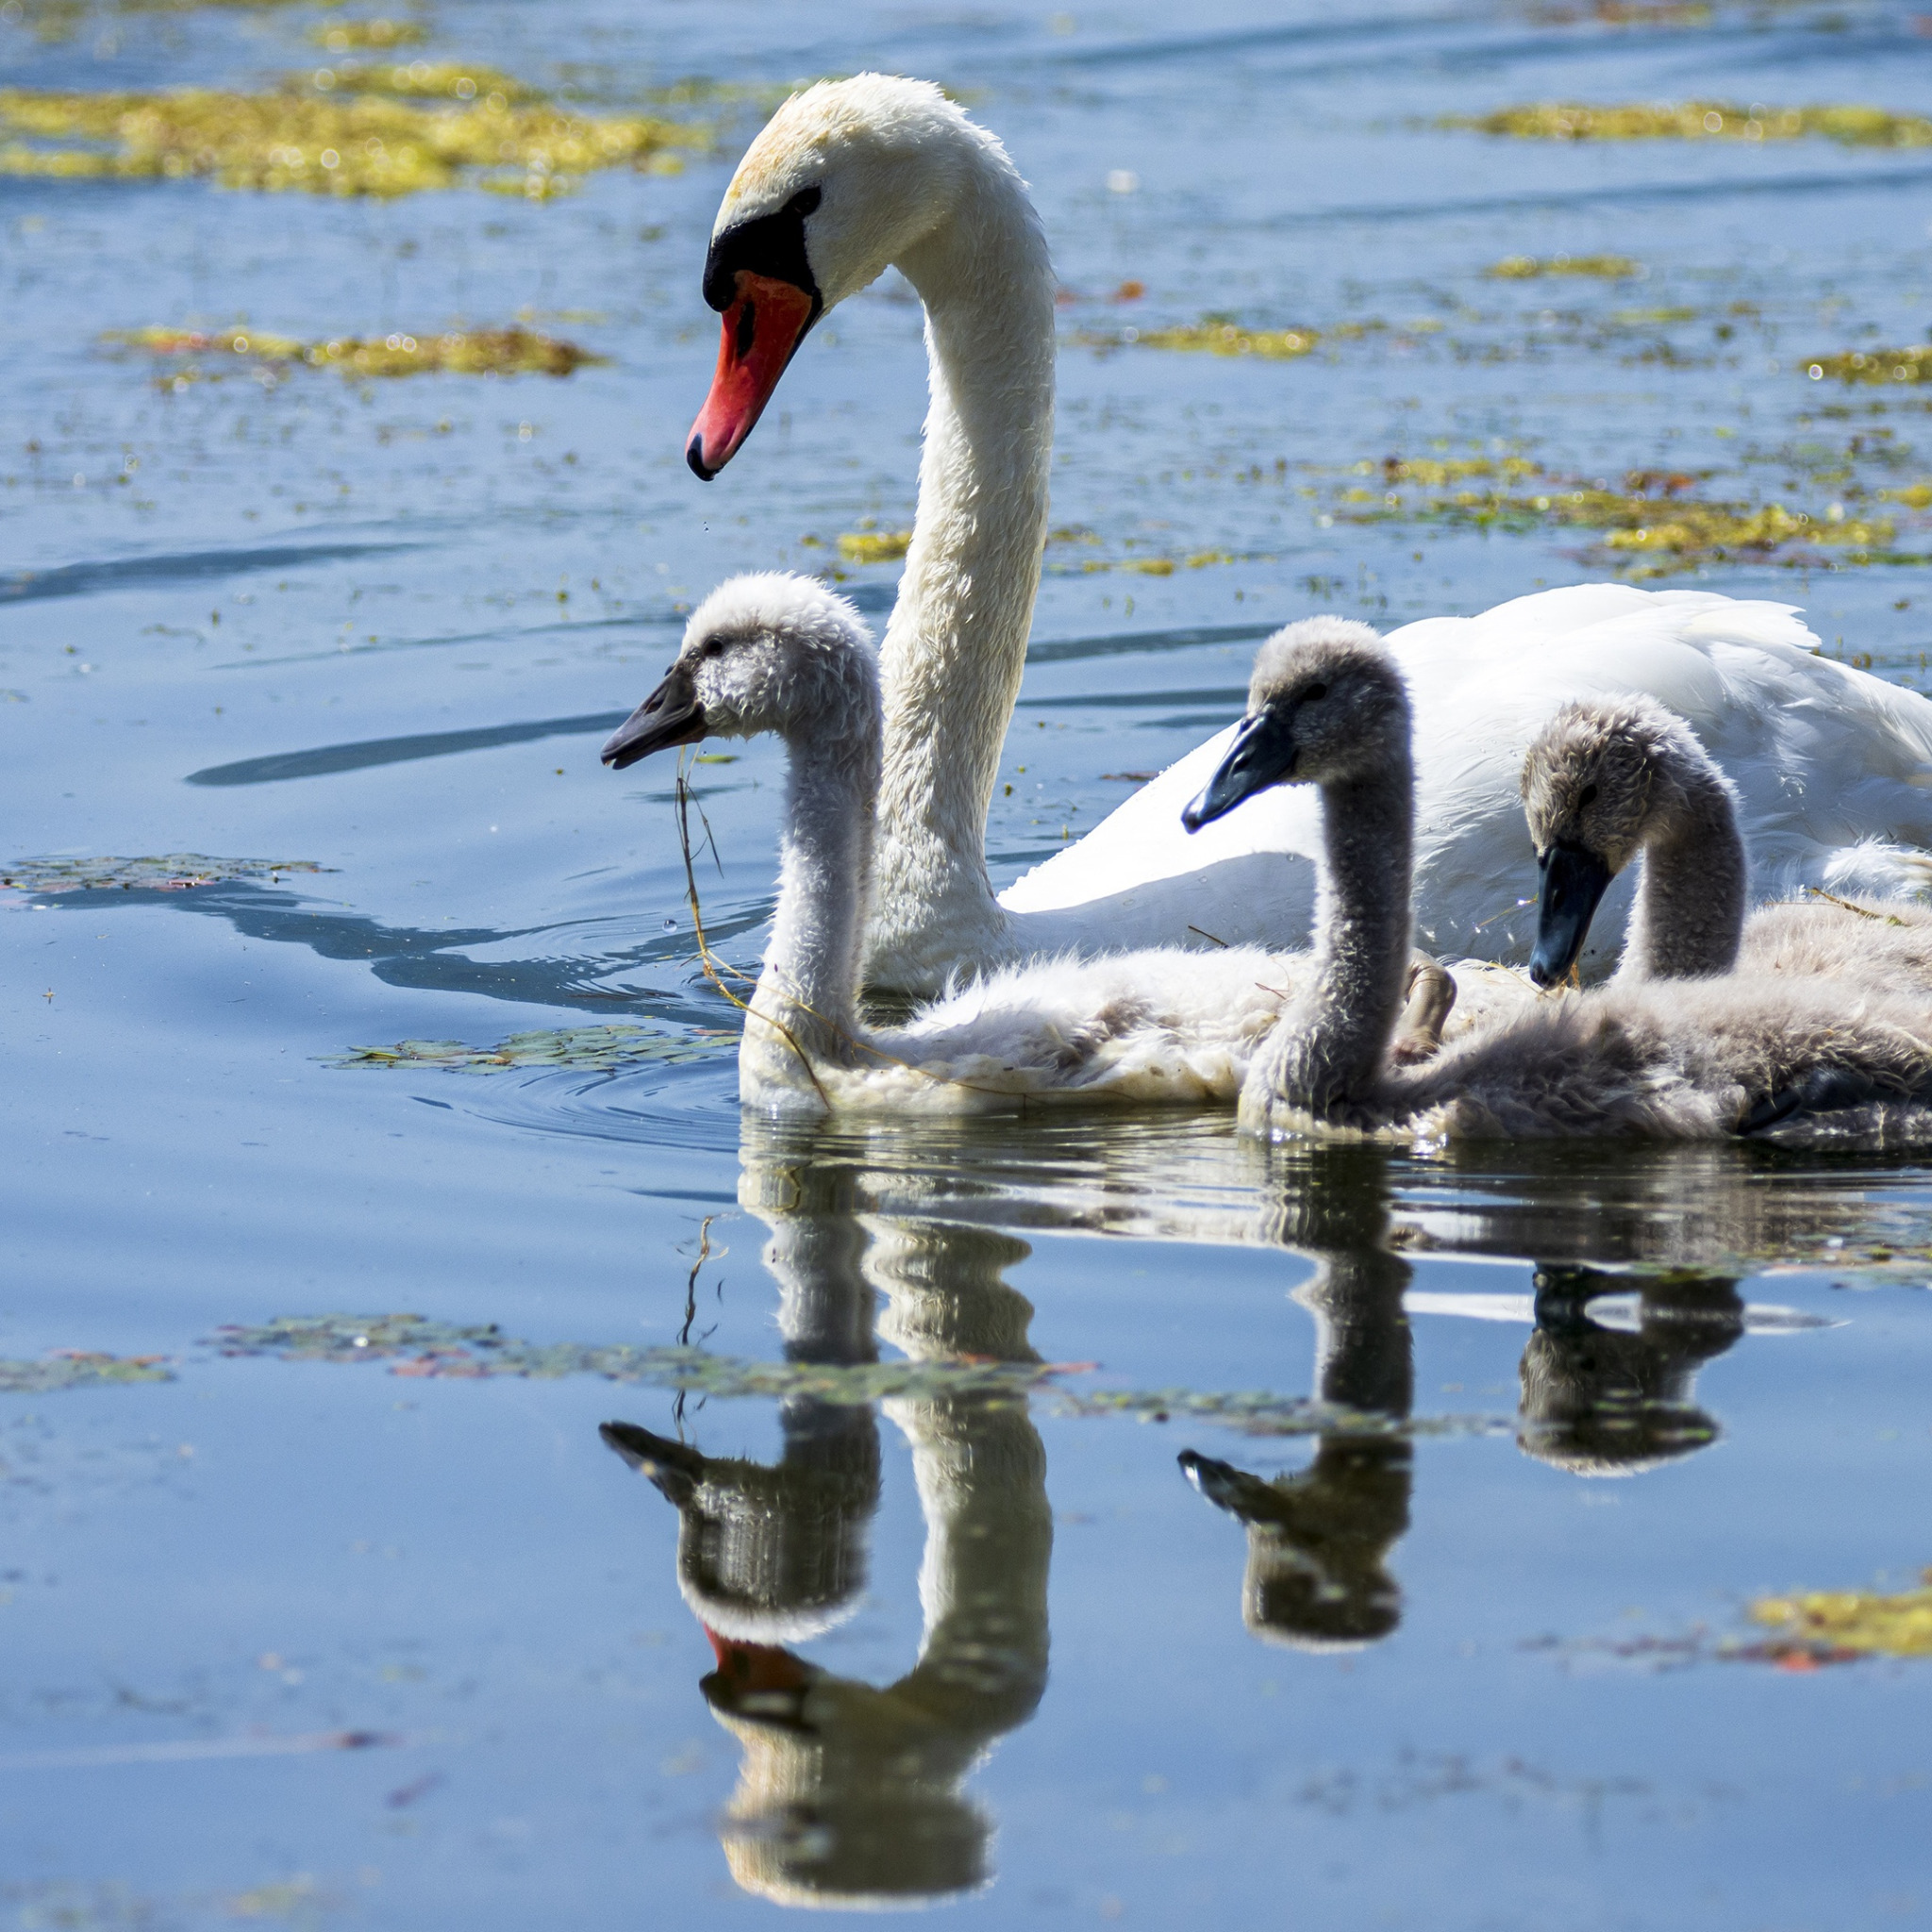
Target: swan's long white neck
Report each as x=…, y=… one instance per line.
x=1689, y=918
x=956, y=643
x=1330, y=1050
x=809, y=983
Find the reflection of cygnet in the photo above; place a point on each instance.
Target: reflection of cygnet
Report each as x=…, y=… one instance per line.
x=777, y=1555
x=1317, y=1573
x=1597, y=1401
x=848, y=1794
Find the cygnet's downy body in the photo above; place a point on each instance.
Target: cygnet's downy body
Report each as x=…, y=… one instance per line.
x=1612, y=782
x=1805, y=1058
x=781, y=653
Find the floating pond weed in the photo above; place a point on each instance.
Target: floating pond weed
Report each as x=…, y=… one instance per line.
x=579, y=1049
x=382, y=131
x=1849, y=126
x=875, y=546
x=1874, y=365
x=176, y=873
x=513, y=351
x=1854, y=1622
x=1525, y=268
x=339, y=35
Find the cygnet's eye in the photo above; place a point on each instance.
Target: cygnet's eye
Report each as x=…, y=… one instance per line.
x=1314, y=692
x=1587, y=797
x=803, y=202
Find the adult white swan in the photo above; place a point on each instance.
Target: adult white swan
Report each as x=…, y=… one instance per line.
x=1832, y=766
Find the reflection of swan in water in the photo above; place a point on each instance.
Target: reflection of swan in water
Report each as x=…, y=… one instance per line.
x=1599, y=1400
x=1318, y=1540
x=849, y=1794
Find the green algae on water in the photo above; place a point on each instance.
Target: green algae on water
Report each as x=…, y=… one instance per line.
x=1851, y=126
x=1652, y=526
x=1214, y=337
x=339, y=35
x=581, y=1049
x=875, y=546
x=321, y=134
x=513, y=351
x=1853, y=1622
x=73, y=1368
x=177, y=873
x=1874, y=365
x=1525, y=268
x=473, y=1351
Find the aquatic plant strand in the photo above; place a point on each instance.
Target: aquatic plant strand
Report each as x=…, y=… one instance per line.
x=417, y=1347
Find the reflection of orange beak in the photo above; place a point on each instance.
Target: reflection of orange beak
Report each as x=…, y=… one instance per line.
x=765, y=324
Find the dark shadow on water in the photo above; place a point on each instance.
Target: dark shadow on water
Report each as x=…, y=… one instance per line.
x=326, y=760
x=183, y=567
x=434, y=960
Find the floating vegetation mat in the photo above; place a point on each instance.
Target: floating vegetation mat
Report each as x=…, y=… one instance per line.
x=1809, y=1631
x=1652, y=526
x=416, y=1347
x=583, y=1049
x=875, y=546
x=1853, y=127
x=177, y=873
x=1215, y=338
x=339, y=35
x=511, y=351
x=1838, y=1626
x=73, y=1368
x=378, y=130
x=1527, y=268
x=1876, y=365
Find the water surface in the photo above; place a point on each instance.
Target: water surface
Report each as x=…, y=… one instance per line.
x=1381, y=1548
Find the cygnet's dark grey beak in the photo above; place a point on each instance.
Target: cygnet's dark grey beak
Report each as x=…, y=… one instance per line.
x=1263, y=753
x=671, y=715
x=1574, y=882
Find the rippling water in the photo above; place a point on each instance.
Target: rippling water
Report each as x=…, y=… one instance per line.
x=1304, y=1589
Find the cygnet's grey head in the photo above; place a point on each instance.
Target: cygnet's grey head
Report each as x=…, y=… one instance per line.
x=767, y=652
x=1326, y=706
x=1603, y=779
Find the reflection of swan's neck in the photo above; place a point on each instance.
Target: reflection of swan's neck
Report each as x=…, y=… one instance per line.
x=957, y=643
x=1364, y=1357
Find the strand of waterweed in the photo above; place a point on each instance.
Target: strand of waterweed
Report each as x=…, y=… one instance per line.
x=1850, y=125
x=418, y=1347
x=715, y=968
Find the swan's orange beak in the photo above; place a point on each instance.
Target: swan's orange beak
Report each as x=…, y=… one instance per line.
x=763, y=327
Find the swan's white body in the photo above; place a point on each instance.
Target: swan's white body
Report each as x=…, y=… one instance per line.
x=1827, y=760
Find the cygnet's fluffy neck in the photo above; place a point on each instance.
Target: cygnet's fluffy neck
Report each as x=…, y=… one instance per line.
x=1689, y=915
x=1330, y=1049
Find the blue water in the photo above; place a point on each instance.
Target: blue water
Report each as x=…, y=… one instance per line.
x=313, y=1641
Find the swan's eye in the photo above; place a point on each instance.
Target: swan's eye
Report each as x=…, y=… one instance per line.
x=803, y=202
x=1587, y=797
x=1314, y=692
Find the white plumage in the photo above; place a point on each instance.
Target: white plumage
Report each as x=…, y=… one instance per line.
x=1833, y=766
x=783, y=653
